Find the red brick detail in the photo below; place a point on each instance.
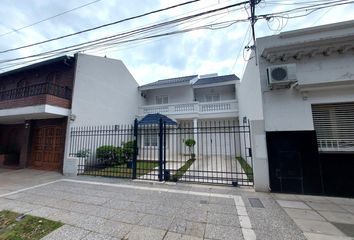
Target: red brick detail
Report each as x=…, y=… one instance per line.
x=36, y=100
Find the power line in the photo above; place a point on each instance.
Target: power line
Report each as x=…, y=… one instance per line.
x=46, y=19
x=98, y=27
x=132, y=32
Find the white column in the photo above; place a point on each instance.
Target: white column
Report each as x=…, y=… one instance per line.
x=195, y=135
x=260, y=158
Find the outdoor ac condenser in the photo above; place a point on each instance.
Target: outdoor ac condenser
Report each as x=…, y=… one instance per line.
x=281, y=75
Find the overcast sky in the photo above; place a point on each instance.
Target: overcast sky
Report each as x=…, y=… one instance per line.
x=198, y=52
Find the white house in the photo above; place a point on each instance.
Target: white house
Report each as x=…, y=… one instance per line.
x=299, y=97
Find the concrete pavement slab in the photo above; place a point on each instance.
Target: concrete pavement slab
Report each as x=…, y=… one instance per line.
x=304, y=214
x=293, y=204
x=146, y=233
x=321, y=227
x=68, y=233
x=338, y=217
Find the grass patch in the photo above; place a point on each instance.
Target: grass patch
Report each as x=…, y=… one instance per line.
x=246, y=168
x=143, y=167
x=182, y=170
x=28, y=228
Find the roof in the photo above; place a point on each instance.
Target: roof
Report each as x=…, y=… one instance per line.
x=36, y=65
x=170, y=81
x=151, y=119
x=216, y=79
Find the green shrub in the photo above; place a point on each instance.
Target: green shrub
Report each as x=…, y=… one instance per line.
x=83, y=153
x=128, y=150
x=190, y=144
x=109, y=154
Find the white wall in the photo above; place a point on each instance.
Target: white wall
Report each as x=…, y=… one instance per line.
x=175, y=94
x=249, y=93
x=104, y=92
x=226, y=92
x=290, y=109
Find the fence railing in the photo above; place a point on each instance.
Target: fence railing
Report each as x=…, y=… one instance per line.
x=211, y=152
x=35, y=90
x=192, y=107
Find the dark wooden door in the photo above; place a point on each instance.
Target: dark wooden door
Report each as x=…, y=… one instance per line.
x=48, y=144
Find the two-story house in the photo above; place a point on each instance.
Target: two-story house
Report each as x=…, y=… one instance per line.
x=299, y=96
x=192, y=98
x=39, y=103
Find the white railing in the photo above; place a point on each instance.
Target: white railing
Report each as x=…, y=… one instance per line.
x=193, y=107
x=336, y=145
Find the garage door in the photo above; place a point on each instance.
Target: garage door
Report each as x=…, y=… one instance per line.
x=48, y=147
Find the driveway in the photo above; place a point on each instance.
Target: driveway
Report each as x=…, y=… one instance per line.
x=103, y=208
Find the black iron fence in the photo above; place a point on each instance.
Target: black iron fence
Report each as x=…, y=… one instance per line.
x=35, y=90
x=209, y=152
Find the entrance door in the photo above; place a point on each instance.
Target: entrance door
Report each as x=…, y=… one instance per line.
x=48, y=143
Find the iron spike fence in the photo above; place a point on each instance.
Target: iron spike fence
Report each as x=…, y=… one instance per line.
x=217, y=152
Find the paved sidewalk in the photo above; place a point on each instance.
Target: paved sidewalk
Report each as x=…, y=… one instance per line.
x=320, y=217
x=106, y=208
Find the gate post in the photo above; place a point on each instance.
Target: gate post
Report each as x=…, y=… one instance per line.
x=160, y=150
x=135, y=148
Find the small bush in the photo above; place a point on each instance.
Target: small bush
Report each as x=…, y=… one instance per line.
x=84, y=153
x=128, y=150
x=109, y=155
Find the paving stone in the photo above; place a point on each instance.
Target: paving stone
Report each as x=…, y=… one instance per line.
x=155, y=221
x=318, y=227
x=146, y=233
x=293, y=204
x=304, y=214
x=341, y=201
x=223, y=219
x=127, y=217
x=183, y=226
x=193, y=215
x=223, y=232
x=316, y=236
x=97, y=236
x=218, y=208
x=44, y=212
x=114, y=229
x=68, y=233
x=338, y=217
x=178, y=236
x=347, y=229
x=326, y=207
x=117, y=204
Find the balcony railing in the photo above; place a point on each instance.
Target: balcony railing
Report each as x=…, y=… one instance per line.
x=193, y=107
x=335, y=145
x=35, y=90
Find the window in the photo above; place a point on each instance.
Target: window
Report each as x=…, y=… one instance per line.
x=150, y=140
x=212, y=98
x=161, y=99
x=334, y=125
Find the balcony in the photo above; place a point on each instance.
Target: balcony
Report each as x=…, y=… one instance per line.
x=230, y=106
x=37, y=94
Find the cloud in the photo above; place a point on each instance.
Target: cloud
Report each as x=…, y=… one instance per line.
x=198, y=52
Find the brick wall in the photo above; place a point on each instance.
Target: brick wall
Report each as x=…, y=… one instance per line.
x=36, y=100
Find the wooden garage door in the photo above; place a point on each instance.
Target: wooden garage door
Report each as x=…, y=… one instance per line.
x=48, y=147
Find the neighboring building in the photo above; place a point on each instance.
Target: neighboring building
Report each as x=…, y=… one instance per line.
x=192, y=98
x=300, y=101
x=39, y=103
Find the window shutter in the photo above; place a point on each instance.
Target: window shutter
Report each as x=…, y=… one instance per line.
x=334, y=125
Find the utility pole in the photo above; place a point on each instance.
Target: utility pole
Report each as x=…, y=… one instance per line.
x=253, y=20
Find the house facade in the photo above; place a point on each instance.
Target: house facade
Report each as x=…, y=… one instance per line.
x=298, y=93
x=191, y=98
x=41, y=102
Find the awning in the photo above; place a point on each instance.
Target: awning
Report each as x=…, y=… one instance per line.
x=152, y=119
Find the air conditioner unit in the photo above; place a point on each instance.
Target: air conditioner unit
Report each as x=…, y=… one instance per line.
x=281, y=75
